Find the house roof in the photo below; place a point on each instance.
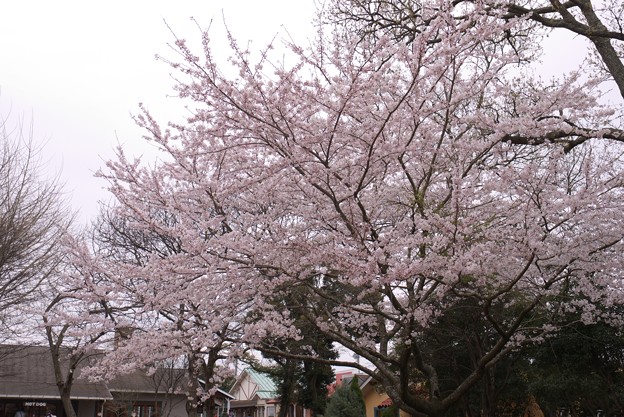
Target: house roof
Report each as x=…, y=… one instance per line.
x=27, y=372
x=385, y=403
x=345, y=377
x=266, y=388
x=164, y=380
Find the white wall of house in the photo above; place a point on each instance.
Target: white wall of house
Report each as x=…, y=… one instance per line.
x=246, y=389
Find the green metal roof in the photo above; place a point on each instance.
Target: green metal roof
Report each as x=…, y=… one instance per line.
x=266, y=387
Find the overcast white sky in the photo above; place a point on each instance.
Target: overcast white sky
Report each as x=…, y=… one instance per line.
x=78, y=70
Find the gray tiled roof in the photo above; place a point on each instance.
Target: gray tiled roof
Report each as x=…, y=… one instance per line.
x=163, y=380
x=27, y=371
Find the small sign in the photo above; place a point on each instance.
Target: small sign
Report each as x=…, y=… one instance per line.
x=35, y=404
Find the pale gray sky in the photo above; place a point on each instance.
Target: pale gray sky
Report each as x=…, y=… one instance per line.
x=78, y=69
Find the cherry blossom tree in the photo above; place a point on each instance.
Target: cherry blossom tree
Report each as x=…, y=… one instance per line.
x=599, y=22
x=73, y=342
x=157, y=298
x=72, y=319
x=376, y=185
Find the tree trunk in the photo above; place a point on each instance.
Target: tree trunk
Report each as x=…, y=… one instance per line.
x=191, y=408
x=209, y=408
x=67, y=405
x=603, y=45
x=64, y=384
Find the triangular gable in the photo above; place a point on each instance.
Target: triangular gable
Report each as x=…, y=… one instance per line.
x=252, y=384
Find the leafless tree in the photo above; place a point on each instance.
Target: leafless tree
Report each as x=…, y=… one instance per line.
x=33, y=219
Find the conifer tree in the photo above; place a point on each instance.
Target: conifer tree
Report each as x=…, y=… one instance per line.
x=347, y=401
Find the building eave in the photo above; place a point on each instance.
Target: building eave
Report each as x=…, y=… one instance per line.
x=55, y=397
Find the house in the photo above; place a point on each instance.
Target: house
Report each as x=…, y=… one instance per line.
x=27, y=383
x=141, y=395
x=255, y=395
x=376, y=401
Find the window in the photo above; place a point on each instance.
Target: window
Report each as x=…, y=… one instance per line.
x=145, y=410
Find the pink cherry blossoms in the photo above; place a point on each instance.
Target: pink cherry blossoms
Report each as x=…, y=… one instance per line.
x=375, y=184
